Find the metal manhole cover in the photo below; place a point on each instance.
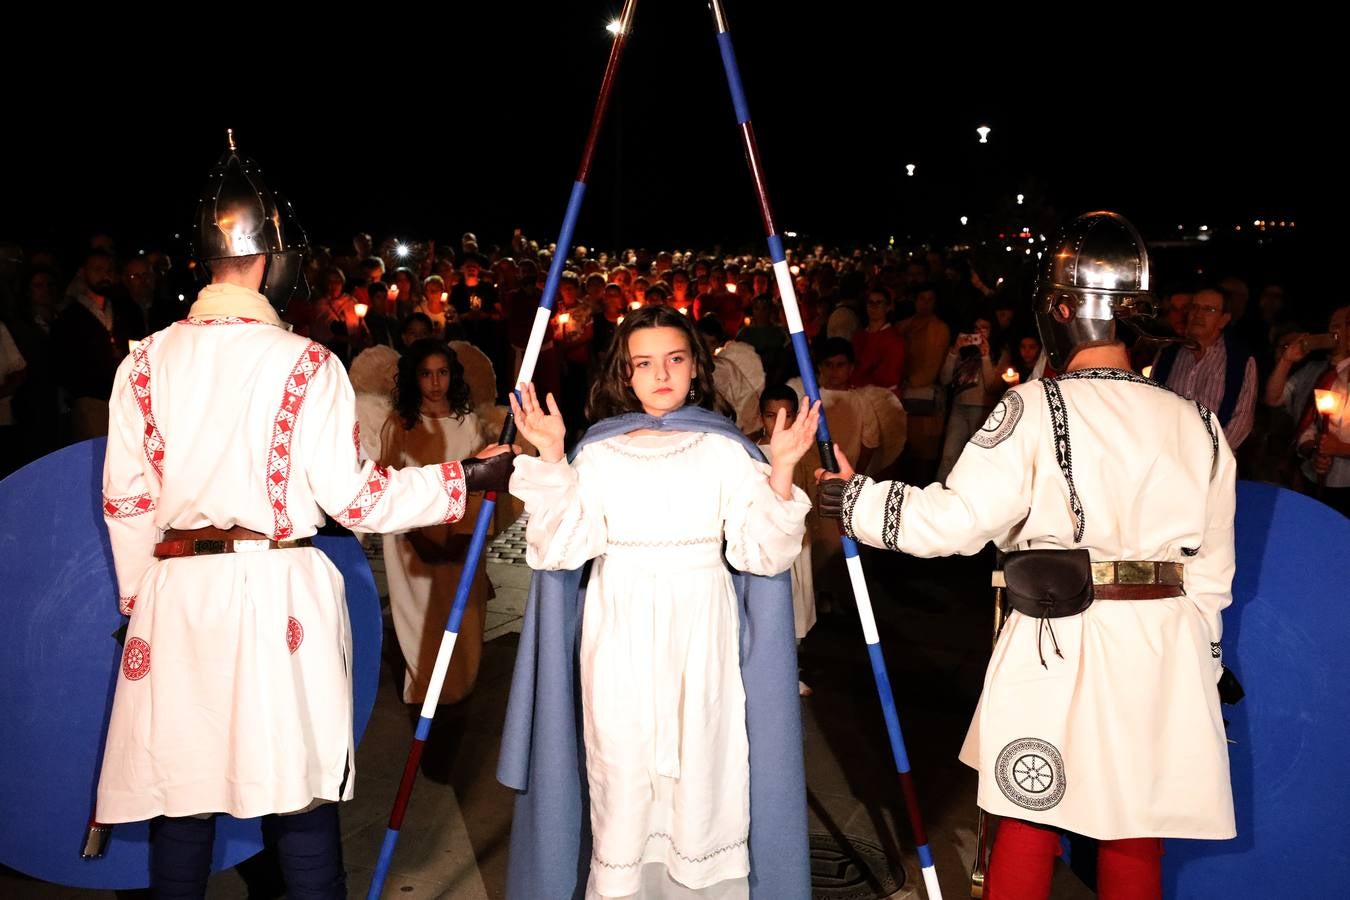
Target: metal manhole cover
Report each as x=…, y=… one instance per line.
x=855, y=870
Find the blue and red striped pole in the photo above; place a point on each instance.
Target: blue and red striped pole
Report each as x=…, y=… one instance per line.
x=826, y=446
x=475, y=552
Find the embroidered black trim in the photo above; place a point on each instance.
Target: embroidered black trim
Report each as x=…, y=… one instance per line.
x=1112, y=375
x=850, y=499
x=890, y=523
x=1059, y=423
x=1208, y=418
x=661, y=834
x=1123, y=375
x=1215, y=651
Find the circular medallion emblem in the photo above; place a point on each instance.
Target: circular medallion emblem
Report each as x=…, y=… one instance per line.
x=1001, y=422
x=295, y=633
x=136, y=659
x=1030, y=773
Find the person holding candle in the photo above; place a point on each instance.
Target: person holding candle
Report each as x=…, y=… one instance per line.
x=1324, y=430
x=336, y=324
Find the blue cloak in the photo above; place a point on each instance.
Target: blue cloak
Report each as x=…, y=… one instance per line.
x=543, y=757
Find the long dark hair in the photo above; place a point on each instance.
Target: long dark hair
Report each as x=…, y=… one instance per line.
x=408, y=395
x=612, y=393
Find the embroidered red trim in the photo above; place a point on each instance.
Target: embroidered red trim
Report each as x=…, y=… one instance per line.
x=279, y=458
x=220, y=320
x=452, y=479
x=153, y=441
x=371, y=492
x=127, y=507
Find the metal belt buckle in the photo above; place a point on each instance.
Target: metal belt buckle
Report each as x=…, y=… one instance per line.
x=1136, y=572
x=1103, y=573
x=203, y=547
x=251, y=546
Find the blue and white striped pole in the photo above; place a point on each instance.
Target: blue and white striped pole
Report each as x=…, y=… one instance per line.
x=826, y=446
x=475, y=552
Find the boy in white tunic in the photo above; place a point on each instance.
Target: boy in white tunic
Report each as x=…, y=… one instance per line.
x=1104, y=723
x=229, y=434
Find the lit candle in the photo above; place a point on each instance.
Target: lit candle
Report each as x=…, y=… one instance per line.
x=684, y=310
x=1147, y=372
x=132, y=345
x=1011, y=377
x=393, y=292
x=731, y=288
x=1326, y=402
x=636, y=304
x=361, y=310
x=795, y=270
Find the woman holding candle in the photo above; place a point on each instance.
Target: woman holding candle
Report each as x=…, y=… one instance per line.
x=1324, y=430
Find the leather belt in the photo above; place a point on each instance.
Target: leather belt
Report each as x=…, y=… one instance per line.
x=1129, y=579
x=210, y=540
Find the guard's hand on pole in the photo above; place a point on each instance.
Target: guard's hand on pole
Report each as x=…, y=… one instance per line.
x=491, y=469
x=830, y=494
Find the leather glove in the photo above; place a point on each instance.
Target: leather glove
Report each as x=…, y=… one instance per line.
x=830, y=498
x=492, y=474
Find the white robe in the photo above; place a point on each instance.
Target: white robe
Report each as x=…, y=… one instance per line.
x=667, y=755
x=235, y=690
x=1123, y=736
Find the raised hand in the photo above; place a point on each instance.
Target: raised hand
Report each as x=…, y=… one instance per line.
x=546, y=430
x=791, y=444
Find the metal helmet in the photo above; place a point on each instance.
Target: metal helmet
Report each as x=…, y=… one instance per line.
x=237, y=215
x=1095, y=274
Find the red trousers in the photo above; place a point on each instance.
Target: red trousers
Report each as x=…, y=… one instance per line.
x=1024, y=860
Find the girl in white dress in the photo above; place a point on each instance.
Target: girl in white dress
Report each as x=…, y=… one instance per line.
x=662, y=510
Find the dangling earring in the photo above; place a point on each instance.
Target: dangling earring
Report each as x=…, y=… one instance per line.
x=692, y=395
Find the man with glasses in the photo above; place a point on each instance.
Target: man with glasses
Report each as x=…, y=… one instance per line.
x=1213, y=368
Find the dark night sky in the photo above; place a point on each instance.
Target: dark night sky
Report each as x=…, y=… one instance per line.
x=429, y=124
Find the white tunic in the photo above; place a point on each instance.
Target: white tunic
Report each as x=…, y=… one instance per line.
x=235, y=689
x=1123, y=736
x=663, y=705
